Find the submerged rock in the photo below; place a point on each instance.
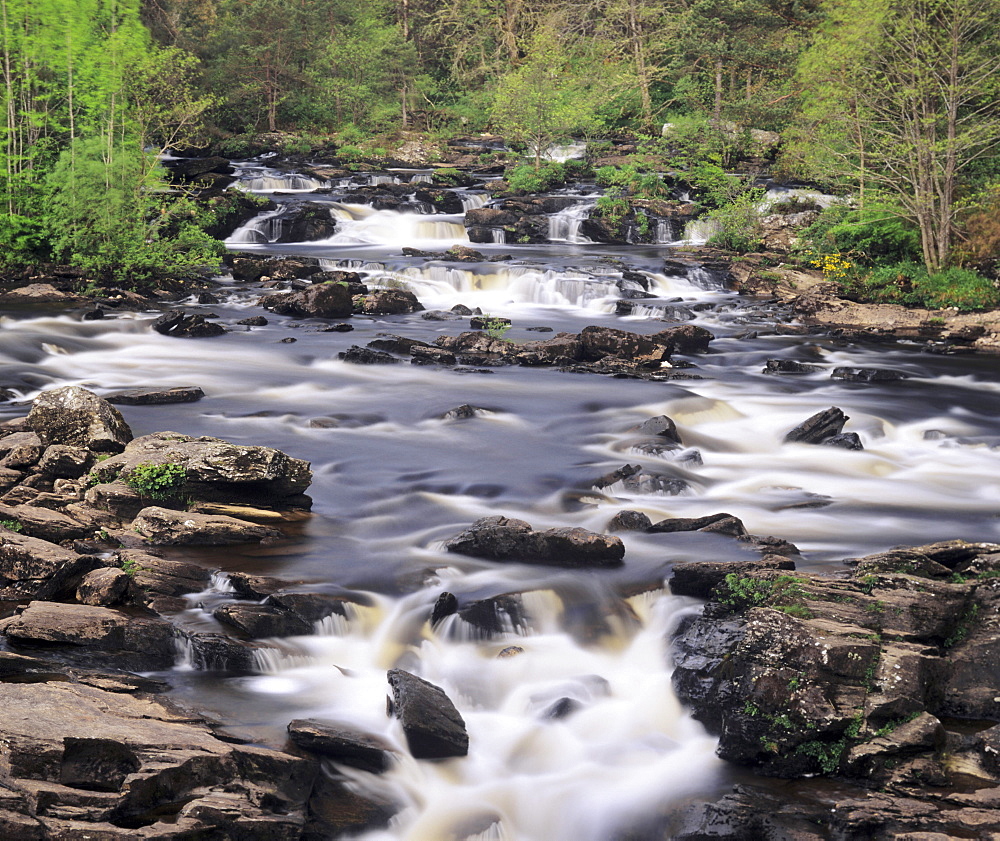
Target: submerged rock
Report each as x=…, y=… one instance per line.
x=867, y=375
x=342, y=744
x=153, y=396
x=180, y=324
x=819, y=427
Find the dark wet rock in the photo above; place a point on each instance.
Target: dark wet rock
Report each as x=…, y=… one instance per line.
x=249, y=586
x=95, y=314
x=366, y=356
x=634, y=479
x=464, y=254
x=260, y=620
x=37, y=569
x=78, y=418
x=104, y=587
x=510, y=651
x=340, y=810
x=600, y=342
x=500, y=538
x=443, y=201
x=343, y=327
x=166, y=527
x=854, y=677
x=629, y=521
x=789, y=366
x=445, y=605
x=396, y=344
x=700, y=578
x=489, y=322
x=867, y=375
x=660, y=426
x=685, y=338
x=210, y=652
x=561, y=349
x=440, y=315
x=490, y=617
x=434, y=728
x=563, y=708
x=770, y=545
x=845, y=440
x=819, y=427
x=156, y=396
x=344, y=745
x=307, y=222
x=465, y=412
x=423, y=355
x=387, y=302
x=288, y=340
x=180, y=324
x=313, y=607
x=253, y=321
x=321, y=300
x=216, y=470
x=717, y=523
x=96, y=634
x=188, y=170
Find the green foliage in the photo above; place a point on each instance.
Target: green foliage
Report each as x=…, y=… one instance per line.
x=529, y=179
x=963, y=627
x=783, y=593
x=877, y=235
x=826, y=754
x=156, y=481
x=449, y=176
x=909, y=284
x=494, y=326
x=12, y=525
x=131, y=567
x=630, y=179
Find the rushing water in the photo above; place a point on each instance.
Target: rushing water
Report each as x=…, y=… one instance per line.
x=393, y=480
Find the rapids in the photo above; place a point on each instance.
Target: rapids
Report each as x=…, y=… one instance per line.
x=393, y=480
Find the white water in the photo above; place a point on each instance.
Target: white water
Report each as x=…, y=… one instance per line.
x=564, y=226
x=361, y=225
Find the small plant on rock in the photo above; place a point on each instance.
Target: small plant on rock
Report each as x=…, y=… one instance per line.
x=156, y=481
x=12, y=525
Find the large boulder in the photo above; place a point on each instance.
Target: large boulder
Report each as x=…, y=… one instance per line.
x=180, y=324
x=434, y=728
x=819, y=427
x=503, y=539
x=342, y=744
x=321, y=300
x=216, y=470
x=599, y=342
x=307, y=222
x=77, y=417
x=387, y=302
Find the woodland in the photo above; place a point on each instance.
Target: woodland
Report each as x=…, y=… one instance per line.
x=896, y=105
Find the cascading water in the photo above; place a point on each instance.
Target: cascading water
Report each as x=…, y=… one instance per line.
x=564, y=226
x=578, y=735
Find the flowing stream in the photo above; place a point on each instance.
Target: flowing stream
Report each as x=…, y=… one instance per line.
x=394, y=479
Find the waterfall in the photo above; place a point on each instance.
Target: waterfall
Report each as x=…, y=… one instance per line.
x=263, y=228
x=564, y=226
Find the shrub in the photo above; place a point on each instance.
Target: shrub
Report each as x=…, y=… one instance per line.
x=156, y=481
x=875, y=236
x=909, y=284
x=527, y=179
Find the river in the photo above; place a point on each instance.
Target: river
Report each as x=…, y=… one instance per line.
x=393, y=479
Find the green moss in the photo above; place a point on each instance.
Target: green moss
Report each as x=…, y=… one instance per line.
x=156, y=481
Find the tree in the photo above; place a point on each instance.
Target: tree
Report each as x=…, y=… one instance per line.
x=544, y=100
x=922, y=109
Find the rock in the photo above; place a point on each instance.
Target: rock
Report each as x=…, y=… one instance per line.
x=180, y=324
x=845, y=440
x=434, y=728
x=259, y=620
x=44, y=523
x=65, y=462
x=21, y=450
x=819, y=427
x=86, y=754
x=445, y=605
x=153, y=396
x=36, y=569
x=867, y=375
x=104, y=587
x=431, y=356
x=366, y=356
x=789, y=366
x=339, y=810
x=685, y=338
x=117, y=498
x=78, y=418
x=500, y=538
x=38, y=293
x=718, y=523
x=388, y=302
x=307, y=222
x=208, y=652
x=154, y=575
x=661, y=427
x=629, y=521
x=634, y=479
x=465, y=412
x=216, y=470
x=190, y=169
x=322, y=300
x=253, y=321
x=96, y=634
x=342, y=744
x=165, y=527
x=700, y=578
x=599, y=342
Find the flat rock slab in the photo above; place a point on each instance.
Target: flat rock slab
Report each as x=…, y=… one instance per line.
x=342, y=744
x=34, y=568
x=156, y=396
x=144, y=644
x=501, y=538
x=434, y=728
x=167, y=527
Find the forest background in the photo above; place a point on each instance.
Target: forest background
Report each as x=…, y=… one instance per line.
x=894, y=104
